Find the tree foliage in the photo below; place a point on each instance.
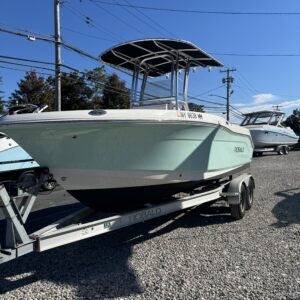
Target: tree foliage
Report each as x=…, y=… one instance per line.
x=115, y=93
x=96, y=79
x=75, y=93
x=33, y=89
x=94, y=89
x=293, y=121
x=195, y=107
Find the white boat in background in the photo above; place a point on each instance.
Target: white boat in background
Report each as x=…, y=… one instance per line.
x=14, y=160
x=268, y=133
x=113, y=158
x=13, y=157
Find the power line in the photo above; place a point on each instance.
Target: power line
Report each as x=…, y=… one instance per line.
x=79, y=51
x=29, y=37
x=255, y=55
x=37, y=61
x=236, y=110
x=118, y=18
x=25, y=65
x=25, y=59
x=64, y=44
x=246, y=81
x=139, y=18
x=236, y=115
x=199, y=11
x=245, y=88
x=211, y=90
x=109, y=87
x=38, y=67
x=204, y=100
x=87, y=35
x=22, y=70
x=150, y=19
x=27, y=31
x=89, y=21
x=213, y=107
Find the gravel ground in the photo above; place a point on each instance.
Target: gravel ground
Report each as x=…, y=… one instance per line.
x=198, y=254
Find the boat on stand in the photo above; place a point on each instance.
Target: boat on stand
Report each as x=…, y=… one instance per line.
x=112, y=158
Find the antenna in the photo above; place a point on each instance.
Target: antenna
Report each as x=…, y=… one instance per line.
x=276, y=107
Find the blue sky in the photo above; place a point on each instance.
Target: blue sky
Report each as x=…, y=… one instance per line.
x=260, y=82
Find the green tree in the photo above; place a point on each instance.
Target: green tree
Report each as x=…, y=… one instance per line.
x=96, y=79
x=75, y=92
x=115, y=93
x=195, y=107
x=293, y=121
x=33, y=89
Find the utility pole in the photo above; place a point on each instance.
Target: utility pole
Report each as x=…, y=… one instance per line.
x=276, y=107
x=57, y=56
x=228, y=80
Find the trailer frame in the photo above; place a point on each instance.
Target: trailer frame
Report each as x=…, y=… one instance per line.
x=84, y=223
x=280, y=149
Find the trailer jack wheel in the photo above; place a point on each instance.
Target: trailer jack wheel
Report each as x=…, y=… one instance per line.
x=238, y=210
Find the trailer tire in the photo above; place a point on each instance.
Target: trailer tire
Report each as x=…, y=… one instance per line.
x=48, y=185
x=257, y=154
x=250, y=197
x=286, y=150
x=280, y=151
x=238, y=210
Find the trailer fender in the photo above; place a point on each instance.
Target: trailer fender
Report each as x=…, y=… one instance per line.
x=233, y=193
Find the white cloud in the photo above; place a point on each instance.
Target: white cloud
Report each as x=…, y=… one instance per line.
x=238, y=104
x=264, y=98
x=286, y=104
x=282, y=106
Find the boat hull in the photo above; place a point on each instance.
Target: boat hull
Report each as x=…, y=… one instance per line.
x=271, y=136
x=13, y=157
x=122, y=159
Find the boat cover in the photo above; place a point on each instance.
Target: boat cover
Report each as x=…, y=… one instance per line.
x=159, y=54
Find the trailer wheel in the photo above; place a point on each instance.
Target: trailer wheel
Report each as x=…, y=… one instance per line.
x=250, y=197
x=257, y=154
x=48, y=185
x=238, y=210
x=280, y=151
x=286, y=150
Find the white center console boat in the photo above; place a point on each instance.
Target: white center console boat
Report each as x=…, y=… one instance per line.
x=123, y=158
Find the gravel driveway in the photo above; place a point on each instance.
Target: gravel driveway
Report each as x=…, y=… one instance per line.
x=197, y=254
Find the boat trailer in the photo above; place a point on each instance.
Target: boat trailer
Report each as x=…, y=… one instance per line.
x=280, y=149
x=16, y=207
